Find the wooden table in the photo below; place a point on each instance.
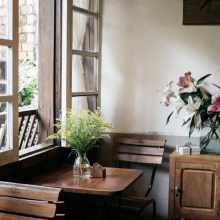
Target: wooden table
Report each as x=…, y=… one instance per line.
x=117, y=179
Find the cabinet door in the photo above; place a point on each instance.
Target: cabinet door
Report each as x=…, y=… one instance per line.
x=195, y=189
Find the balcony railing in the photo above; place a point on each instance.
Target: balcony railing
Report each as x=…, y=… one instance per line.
x=28, y=130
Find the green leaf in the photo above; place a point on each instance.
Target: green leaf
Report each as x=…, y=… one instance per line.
x=206, y=103
x=169, y=118
x=202, y=79
x=192, y=126
x=179, y=110
x=199, y=112
x=186, y=95
x=216, y=85
x=204, y=117
x=209, y=95
x=185, y=122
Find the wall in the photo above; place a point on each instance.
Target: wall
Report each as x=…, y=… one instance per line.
x=27, y=28
x=145, y=45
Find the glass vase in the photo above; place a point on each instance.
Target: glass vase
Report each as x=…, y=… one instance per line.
x=81, y=167
x=210, y=137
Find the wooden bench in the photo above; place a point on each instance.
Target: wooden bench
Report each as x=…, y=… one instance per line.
x=137, y=150
x=28, y=202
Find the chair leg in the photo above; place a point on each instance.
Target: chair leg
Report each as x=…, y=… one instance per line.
x=139, y=216
x=154, y=210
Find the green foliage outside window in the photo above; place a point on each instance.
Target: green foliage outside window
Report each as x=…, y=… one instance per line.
x=28, y=84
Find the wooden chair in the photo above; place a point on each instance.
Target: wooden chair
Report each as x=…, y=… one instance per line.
x=28, y=202
x=137, y=150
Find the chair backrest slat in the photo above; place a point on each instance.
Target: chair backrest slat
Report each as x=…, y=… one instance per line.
x=139, y=141
x=138, y=158
x=29, y=191
x=6, y=216
x=138, y=150
x=27, y=207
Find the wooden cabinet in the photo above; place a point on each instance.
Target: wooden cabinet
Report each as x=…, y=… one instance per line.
x=194, y=187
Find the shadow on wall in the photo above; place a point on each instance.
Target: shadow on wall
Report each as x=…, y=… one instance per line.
x=161, y=183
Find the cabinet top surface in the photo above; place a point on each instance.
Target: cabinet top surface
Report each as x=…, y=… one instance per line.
x=199, y=158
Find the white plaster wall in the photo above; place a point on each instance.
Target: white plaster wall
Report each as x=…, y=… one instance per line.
x=144, y=45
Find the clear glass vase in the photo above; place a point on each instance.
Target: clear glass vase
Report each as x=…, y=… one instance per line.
x=81, y=167
x=210, y=136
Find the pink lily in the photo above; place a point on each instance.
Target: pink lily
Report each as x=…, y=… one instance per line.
x=166, y=99
x=165, y=104
x=168, y=93
x=186, y=82
x=216, y=104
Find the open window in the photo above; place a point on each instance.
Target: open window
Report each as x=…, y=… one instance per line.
x=81, y=54
x=9, y=82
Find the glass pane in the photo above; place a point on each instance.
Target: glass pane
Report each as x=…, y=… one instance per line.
x=4, y=19
x=85, y=32
x=28, y=53
x=3, y=69
x=87, y=4
x=84, y=102
x=3, y=126
x=84, y=73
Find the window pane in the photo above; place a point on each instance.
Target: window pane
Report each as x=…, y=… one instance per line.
x=84, y=102
x=84, y=73
x=3, y=126
x=85, y=32
x=28, y=58
x=3, y=69
x=87, y=4
x=4, y=19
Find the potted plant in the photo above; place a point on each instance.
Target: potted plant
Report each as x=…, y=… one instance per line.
x=201, y=110
x=81, y=133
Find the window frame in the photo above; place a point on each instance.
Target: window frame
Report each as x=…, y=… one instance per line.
x=67, y=10
x=12, y=155
x=48, y=149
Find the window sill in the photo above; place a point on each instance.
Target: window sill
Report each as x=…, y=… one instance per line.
x=38, y=154
x=31, y=151
x=31, y=157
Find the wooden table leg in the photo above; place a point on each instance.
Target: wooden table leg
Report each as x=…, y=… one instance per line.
x=119, y=206
x=106, y=208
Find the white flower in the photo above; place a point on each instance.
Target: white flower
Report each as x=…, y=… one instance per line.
x=189, y=89
x=167, y=90
x=177, y=103
x=191, y=110
x=168, y=93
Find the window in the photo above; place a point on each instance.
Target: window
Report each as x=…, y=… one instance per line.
x=9, y=81
x=81, y=54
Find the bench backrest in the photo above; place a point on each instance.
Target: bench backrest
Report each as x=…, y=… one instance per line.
x=30, y=201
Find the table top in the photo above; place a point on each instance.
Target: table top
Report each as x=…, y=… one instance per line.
x=116, y=180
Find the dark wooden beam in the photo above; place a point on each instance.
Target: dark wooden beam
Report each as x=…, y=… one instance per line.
x=46, y=70
x=58, y=59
